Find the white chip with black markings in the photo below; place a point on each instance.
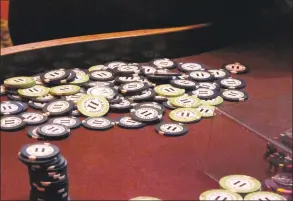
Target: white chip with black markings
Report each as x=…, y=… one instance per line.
x=98, y=123
x=206, y=110
x=264, y=196
x=34, y=118
x=107, y=92
x=234, y=95
x=128, y=79
x=58, y=107
x=184, y=82
x=146, y=114
x=10, y=107
x=70, y=122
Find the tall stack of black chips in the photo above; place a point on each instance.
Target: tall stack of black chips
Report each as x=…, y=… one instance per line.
x=47, y=170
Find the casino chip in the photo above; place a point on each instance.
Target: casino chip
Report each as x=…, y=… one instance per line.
x=185, y=101
x=208, y=85
x=52, y=131
x=146, y=114
x=12, y=123
x=169, y=105
x=231, y=83
x=98, y=123
x=163, y=63
x=64, y=90
x=150, y=104
x=36, y=105
x=206, y=110
x=123, y=106
x=235, y=68
x=70, y=122
x=145, y=95
x=39, y=151
x=183, y=84
x=11, y=107
x=133, y=87
x=144, y=198
x=54, y=76
x=97, y=67
x=219, y=73
x=44, y=99
x=108, y=92
x=148, y=70
x=219, y=194
x=19, y=82
x=168, y=90
x=93, y=106
x=80, y=78
x=115, y=64
x=189, y=67
x=129, y=123
x=214, y=102
x=33, y=92
x=74, y=98
x=102, y=75
x=234, y=95
x=204, y=93
x=58, y=107
x=240, y=184
x=34, y=118
x=171, y=129
x=201, y=76
x=264, y=195
x=185, y=115
x=127, y=79
x=127, y=69
x=32, y=133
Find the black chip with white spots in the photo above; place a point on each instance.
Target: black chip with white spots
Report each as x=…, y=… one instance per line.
x=98, y=123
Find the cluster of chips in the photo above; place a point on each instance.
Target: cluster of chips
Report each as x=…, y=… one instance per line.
x=47, y=170
x=239, y=187
x=281, y=184
x=143, y=90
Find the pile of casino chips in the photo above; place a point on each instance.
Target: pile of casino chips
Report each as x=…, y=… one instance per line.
x=191, y=90
x=239, y=187
x=47, y=170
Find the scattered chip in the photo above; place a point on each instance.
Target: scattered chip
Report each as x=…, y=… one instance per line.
x=219, y=194
x=102, y=75
x=235, y=68
x=115, y=64
x=185, y=115
x=264, y=195
x=168, y=90
x=234, y=95
x=17, y=98
x=34, y=118
x=219, y=73
x=145, y=95
x=201, y=76
x=36, y=105
x=53, y=131
x=58, y=107
x=163, y=63
x=189, y=67
x=171, y=129
x=148, y=70
x=80, y=78
x=98, y=123
x=231, y=83
x=93, y=106
x=240, y=184
x=127, y=69
x=54, y=76
x=12, y=123
x=169, y=105
x=185, y=101
x=19, y=82
x=160, y=98
x=146, y=114
x=64, y=90
x=128, y=122
x=10, y=107
x=99, y=84
x=123, y=106
x=127, y=79
x=32, y=133
x=74, y=98
x=204, y=93
x=108, y=92
x=150, y=104
x=133, y=87
x=214, y=102
x=208, y=85
x=184, y=84
x=206, y=110
x=33, y=92
x=70, y=122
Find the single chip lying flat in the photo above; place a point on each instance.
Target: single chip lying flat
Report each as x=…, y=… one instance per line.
x=185, y=115
x=21, y=82
x=93, y=106
x=33, y=92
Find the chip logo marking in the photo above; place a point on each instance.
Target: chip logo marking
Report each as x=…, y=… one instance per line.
x=39, y=150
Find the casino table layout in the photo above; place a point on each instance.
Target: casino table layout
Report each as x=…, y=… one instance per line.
x=122, y=164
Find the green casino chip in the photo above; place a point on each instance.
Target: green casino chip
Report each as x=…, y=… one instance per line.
x=219, y=194
x=168, y=90
x=33, y=92
x=64, y=90
x=97, y=67
x=81, y=78
x=206, y=110
x=264, y=195
x=21, y=82
x=185, y=101
x=185, y=115
x=240, y=184
x=213, y=102
x=93, y=106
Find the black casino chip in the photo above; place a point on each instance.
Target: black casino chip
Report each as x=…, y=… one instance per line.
x=146, y=114
x=171, y=129
x=189, y=67
x=183, y=84
x=34, y=118
x=133, y=88
x=204, y=93
x=12, y=123
x=208, y=85
x=11, y=107
x=164, y=63
x=234, y=95
x=101, y=75
x=201, y=76
x=52, y=131
x=58, y=107
x=146, y=95
x=123, y=106
x=128, y=123
x=219, y=73
x=39, y=152
x=150, y=104
x=36, y=105
x=98, y=123
x=231, y=83
x=68, y=121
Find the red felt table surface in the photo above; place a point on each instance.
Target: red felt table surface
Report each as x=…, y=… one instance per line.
x=121, y=164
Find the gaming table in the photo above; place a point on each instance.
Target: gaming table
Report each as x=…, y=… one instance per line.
x=120, y=163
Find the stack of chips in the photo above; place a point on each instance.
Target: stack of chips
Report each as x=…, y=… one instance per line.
x=47, y=170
